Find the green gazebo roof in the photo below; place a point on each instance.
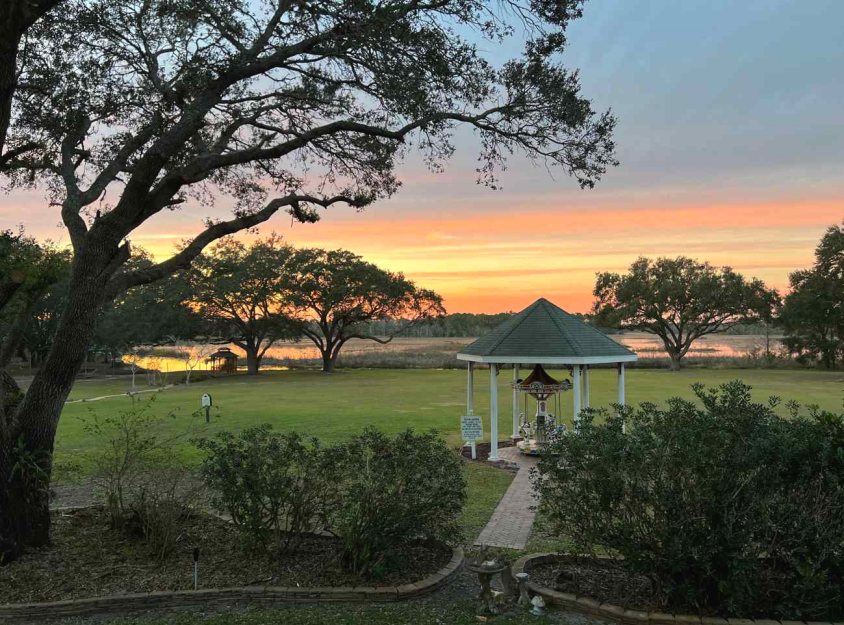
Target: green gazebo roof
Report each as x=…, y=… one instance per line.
x=544, y=333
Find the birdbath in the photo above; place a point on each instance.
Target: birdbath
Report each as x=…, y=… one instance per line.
x=486, y=572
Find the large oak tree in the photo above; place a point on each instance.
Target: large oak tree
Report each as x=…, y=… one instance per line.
x=335, y=293
x=139, y=107
x=679, y=300
x=237, y=290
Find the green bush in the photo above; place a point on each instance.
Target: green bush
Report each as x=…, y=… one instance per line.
x=376, y=493
x=146, y=489
x=275, y=487
x=727, y=507
x=395, y=490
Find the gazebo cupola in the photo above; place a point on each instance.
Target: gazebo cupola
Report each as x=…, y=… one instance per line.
x=542, y=334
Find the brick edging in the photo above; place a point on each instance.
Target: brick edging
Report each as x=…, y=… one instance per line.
x=618, y=614
x=224, y=597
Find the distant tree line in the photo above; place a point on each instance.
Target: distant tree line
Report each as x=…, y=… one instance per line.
x=681, y=300
x=449, y=325
x=256, y=295
x=252, y=296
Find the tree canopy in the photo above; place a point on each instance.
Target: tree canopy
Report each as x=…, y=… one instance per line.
x=30, y=272
x=679, y=300
x=237, y=290
x=127, y=109
x=160, y=313
x=334, y=293
x=812, y=314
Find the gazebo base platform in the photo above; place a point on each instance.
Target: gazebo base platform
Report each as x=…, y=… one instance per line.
x=531, y=447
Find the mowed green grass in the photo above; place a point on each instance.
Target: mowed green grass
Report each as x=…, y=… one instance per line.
x=335, y=406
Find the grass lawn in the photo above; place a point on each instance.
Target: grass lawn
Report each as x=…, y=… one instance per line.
x=332, y=407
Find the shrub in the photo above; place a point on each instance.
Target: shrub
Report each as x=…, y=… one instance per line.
x=275, y=487
x=395, y=490
x=164, y=497
x=136, y=471
x=727, y=507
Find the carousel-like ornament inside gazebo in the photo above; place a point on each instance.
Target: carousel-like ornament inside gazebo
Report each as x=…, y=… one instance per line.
x=546, y=424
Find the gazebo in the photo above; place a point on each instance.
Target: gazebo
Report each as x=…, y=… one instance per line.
x=541, y=334
x=224, y=360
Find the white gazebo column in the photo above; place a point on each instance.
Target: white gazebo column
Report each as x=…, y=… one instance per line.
x=575, y=378
x=515, y=402
x=585, y=386
x=470, y=399
x=621, y=391
x=493, y=412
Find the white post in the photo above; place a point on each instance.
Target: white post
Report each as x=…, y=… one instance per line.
x=470, y=400
x=585, y=386
x=515, y=402
x=621, y=391
x=493, y=412
x=575, y=375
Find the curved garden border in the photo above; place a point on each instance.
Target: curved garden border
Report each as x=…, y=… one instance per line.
x=223, y=597
x=612, y=612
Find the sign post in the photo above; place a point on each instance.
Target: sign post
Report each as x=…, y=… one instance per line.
x=206, y=403
x=472, y=429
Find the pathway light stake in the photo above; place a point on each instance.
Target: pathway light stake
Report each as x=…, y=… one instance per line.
x=196, y=568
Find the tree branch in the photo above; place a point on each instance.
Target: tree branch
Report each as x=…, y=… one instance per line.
x=183, y=259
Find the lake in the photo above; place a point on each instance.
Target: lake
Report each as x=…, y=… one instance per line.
x=645, y=345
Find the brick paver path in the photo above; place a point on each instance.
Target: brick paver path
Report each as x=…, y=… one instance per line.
x=512, y=520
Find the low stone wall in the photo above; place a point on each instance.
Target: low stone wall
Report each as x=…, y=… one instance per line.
x=225, y=597
x=618, y=614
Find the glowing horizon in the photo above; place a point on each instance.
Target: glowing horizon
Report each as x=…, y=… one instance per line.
x=731, y=145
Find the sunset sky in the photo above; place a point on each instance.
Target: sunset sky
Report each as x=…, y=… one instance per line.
x=731, y=142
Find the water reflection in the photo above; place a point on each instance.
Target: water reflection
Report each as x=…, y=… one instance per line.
x=645, y=345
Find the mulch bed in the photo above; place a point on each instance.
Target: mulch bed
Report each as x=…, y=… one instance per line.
x=483, y=449
x=87, y=559
x=601, y=579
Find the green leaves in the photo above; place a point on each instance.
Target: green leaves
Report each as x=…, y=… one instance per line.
x=679, y=300
x=377, y=493
x=728, y=507
x=395, y=490
x=275, y=487
x=813, y=312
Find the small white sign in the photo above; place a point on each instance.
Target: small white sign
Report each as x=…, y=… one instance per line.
x=206, y=400
x=471, y=427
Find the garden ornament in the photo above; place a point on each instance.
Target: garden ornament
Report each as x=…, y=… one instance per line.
x=538, y=608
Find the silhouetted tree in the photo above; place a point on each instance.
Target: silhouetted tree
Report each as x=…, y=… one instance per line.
x=335, y=293
x=238, y=293
x=812, y=315
x=283, y=106
x=679, y=300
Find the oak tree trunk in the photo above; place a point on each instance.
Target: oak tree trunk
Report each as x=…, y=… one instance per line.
x=675, y=361
x=329, y=359
x=9, y=42
x=253, y=360
x=30, y=430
